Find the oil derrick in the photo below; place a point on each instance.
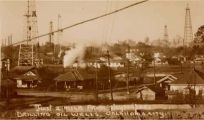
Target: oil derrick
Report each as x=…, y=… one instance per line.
x=27, y=51
x=58, y=50
x=59, y=34
x=50, y=48
x=166, y=37
x=188, y=35
x=51, y=39
x=51, y=34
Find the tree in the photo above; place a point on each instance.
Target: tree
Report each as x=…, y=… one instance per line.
x=199, y=41
x=199, y=35
x=91, y=53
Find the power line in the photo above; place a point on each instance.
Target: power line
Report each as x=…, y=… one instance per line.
x=85, y=21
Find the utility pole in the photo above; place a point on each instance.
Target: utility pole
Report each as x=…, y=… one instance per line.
x=154, y=73
x=135, y=73
x=59, y=34
x=181, y=66
x=1, y=76
x=7, y=68
x=128, y=77
x=96, y=82
x=109, y=75
x=194, y=82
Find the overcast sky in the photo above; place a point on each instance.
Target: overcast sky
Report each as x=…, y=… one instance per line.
x=136, y=23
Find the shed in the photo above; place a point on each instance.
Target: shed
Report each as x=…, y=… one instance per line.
x=145, y=93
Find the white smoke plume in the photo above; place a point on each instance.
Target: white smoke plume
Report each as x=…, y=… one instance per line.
x=77, y=53
x=74, y=54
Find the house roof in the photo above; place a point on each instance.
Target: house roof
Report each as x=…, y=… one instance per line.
x=141, y=88
x=68, y=76
x=123, y=76
x=84, y=74
x=75, y=75
x=26, y=73
x=192, y=77
x=28, y=76
x=168, y=79
x=19, y=70
x=22, y=68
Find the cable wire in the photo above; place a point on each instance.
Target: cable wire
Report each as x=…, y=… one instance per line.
x=79, y=23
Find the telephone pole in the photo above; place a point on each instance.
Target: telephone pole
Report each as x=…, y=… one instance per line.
x=109, y=76
x=96, y=82
x=128, y=77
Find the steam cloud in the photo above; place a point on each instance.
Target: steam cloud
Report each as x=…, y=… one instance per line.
x=77, y=53
x=74, y=54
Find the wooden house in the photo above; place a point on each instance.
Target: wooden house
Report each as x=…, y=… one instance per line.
x=75, y=79
x=25, y=76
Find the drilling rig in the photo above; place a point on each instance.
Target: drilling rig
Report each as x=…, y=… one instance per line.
x=28, y=53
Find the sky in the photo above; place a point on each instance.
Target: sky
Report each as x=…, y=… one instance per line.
x=136, y=23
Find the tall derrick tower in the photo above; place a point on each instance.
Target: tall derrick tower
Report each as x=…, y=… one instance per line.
x=166, y=37
x=51, y=39
x=27, y=51
x=188, y=34
x=59, y=34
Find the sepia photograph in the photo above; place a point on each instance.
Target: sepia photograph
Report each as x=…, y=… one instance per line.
x=102, y=59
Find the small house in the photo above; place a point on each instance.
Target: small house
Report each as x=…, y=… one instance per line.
x=165, y=81
x=193, y=79
x=25, y=76
x=75, y=79
x=145, y=93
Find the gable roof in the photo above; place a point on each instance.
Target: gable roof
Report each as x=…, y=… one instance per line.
x=141, y=88
x=28, y=76
x=22, y=68
x=68, y=76
x=168, y=79
x=75, y=75
x=84, y=74
x=192, y=77
x=19, y=70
